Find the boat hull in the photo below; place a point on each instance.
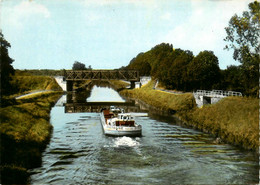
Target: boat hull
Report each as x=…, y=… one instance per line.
x=122, y=133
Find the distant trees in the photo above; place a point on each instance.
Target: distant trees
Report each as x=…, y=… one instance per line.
x=80, y=66
x=179, y=69
x=6, y=66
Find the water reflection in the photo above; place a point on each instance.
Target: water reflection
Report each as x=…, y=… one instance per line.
x=97, y=106
x=101, y=94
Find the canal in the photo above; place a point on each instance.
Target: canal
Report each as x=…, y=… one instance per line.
x=79, y=152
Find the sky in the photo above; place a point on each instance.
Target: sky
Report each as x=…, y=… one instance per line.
x=107, y=34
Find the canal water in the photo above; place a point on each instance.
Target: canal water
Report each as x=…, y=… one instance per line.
x=79, y=153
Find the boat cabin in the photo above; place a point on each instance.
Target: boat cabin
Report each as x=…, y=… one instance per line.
x=125, y=120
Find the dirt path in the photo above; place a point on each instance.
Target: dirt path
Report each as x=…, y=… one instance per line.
x=31, y=93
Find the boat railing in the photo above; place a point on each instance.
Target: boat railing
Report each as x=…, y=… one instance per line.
x=122, y=127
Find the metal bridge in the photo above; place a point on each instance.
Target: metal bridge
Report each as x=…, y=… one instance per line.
x=217, y=93
x=80, y=75
x=128, y=75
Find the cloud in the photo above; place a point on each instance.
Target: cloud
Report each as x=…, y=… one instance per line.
x=25, y=10
x=30, y=8
x=204, y=29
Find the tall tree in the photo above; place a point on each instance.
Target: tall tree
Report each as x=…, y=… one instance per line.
x=6, y=66
x=243, y=37
x=243, y=34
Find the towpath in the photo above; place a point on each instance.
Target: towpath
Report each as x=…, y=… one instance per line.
x=59, y=80
x=32, y=93
x=166, y=90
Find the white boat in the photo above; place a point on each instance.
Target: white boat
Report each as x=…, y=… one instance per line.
x=119, y=124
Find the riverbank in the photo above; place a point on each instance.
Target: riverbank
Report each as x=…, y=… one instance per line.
x=232, y=120
x=25, y=128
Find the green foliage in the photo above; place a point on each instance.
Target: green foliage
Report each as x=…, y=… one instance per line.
x=234, y=119
x=27, y=121
x=243, y=34
x=204, y=71
x=178, y=69
x=243, y=37
x=232, y=78
x=79, y=66
x=40, y=72
x=24, y=131
x=6, y=68
x=25, y=82
x=141, y=64
x=178, y=73
x=161, y=100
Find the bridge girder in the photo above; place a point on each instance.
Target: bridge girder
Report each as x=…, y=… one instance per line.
x=75, y=75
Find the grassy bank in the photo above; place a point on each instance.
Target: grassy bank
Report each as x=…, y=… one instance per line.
x=25, y=129
x=24, y=83
x=233, y=119
x=118, y=85
x=162, y=100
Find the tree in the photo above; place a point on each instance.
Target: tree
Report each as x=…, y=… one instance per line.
x=79, y=66
x=232, y=79
x=159, y=58
x=6, y=66
x=178, y=71
x=141, y=64
x=243, y=34
x=243, y=37
x=204, y=71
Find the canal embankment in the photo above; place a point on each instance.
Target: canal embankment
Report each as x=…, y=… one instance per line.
x=25, y=127
x=232, y=120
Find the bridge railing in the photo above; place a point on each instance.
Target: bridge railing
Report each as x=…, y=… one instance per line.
x=217, y=93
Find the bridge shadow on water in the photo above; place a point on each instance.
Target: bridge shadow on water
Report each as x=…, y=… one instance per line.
x=97, y=106
x=77, y=101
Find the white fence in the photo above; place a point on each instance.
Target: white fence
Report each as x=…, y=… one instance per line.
x=217, y=93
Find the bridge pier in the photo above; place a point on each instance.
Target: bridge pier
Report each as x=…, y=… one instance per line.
x=215, y=100
x=204, y=100
x=132, y=85
x=69, y=85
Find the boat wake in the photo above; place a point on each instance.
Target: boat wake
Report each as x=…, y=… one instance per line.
x=126, y=141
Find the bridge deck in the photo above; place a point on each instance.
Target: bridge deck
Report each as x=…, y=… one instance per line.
x=128, y=75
